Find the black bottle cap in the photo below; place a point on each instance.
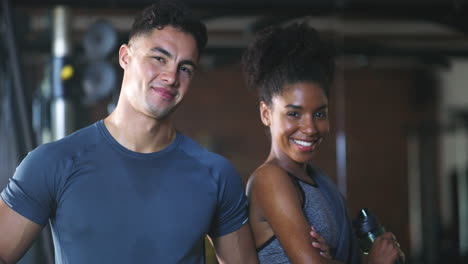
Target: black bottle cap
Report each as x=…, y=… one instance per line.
x=365, y=222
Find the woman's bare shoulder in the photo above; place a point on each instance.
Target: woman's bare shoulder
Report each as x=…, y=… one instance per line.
x=271, y=184
x=266, y=174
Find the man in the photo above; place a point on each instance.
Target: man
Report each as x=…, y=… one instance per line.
x=131, y=188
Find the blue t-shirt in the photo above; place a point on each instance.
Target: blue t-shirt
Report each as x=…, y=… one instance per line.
x=107, y=204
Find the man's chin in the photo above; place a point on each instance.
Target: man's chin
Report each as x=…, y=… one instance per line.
x=162, y=114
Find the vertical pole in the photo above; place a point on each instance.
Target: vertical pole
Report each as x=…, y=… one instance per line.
x=462, y=185
x=341, y=158
x=414, y=196
x=61, y=108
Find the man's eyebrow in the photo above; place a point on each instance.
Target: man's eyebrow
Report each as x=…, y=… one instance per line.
x=169, y=55
x=163, y=51
x=188, y=62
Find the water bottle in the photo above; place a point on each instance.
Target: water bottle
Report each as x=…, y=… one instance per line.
x=367, y=230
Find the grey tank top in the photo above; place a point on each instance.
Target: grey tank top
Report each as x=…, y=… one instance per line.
x=319, y=215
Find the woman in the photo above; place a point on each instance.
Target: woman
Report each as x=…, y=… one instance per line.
x=292, y=70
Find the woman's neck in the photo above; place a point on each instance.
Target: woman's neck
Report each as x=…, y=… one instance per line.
x=297, y=169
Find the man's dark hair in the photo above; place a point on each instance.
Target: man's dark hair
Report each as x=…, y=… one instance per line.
x=286, y=55
x=170, y=13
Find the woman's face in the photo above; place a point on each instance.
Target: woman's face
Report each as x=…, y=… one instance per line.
x=298, y=121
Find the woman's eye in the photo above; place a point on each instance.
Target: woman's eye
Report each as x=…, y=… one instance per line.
x=321, y=115
x=293, y=114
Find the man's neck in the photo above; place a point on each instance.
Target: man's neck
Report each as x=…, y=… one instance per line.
x=140, y=133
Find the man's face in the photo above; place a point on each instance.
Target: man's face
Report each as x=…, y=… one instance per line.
x=158, y=68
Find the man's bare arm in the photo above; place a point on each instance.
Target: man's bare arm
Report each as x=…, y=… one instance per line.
x=236, y=247
x=17, y=234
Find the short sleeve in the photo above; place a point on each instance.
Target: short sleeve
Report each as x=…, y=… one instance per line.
x=29, y=191
x=231, y=213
